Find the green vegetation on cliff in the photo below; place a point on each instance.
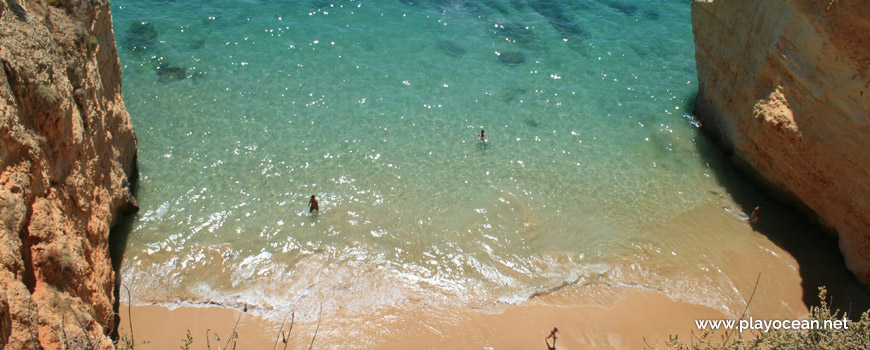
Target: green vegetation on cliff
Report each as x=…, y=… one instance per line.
x=855, y=336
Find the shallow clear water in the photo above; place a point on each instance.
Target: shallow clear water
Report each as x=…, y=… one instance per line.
x=243, y=109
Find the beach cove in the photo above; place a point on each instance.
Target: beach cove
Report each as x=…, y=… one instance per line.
x=597, y=205
x=596, y=315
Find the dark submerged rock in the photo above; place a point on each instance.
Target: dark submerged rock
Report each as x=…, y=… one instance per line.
x=651, y=15
x=141, y=34
x=569, y=29
x=197, y=43
x=451, y=48
x=512, y=58
x=555, y=14
x=510, y=94
x=167, y=73
x=626, y=9
x=549, y=9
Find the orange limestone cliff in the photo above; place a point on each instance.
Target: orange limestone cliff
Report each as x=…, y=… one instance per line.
x=67, y=155
x=784, y=89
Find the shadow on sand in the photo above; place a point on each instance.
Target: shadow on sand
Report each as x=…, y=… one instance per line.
x=118, y=236
x=819, y=258
x=117, y=245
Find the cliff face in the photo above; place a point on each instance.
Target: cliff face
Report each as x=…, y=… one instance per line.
x=67, y=152
x=784, y=87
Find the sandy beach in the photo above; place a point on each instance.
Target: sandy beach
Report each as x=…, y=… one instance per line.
x=594, y=315
x=619, y=318
x=638, y=317
x=635, y=319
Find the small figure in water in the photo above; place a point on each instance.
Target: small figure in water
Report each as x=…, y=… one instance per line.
x=551, y=336
x=482, y=138
x=312, y=204
x=756, y=215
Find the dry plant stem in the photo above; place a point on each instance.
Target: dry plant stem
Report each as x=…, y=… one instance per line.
x=233, y=333
x=129, y=315
x=63, y=330
x=286, y=340
x=32, y=338
x=280, y=332
x=207, y=343
x=319, y=313
x=82, y=327
x=758, y=279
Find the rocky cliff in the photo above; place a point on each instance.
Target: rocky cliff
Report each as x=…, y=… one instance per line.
x=784, y=89
x=67, y=154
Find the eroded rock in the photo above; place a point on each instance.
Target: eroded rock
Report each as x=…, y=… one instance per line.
x=68, y=150
x=783, y=87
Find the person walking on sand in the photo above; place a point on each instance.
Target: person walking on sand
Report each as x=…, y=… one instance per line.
x=551, y=336
x=312, y=204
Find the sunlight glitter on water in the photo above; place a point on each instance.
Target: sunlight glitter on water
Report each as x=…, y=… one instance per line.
x=245, y=109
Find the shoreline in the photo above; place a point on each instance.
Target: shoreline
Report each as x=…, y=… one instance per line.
x=618, y=318
x=589, y=316
x=635, y=318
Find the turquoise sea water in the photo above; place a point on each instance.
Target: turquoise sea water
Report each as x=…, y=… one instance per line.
x=243, y=109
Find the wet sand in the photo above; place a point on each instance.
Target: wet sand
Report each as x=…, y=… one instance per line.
x=595, y=315
x=630, y=320
x=639, y=316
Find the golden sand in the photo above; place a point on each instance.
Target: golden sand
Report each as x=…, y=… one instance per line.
x=592, y=316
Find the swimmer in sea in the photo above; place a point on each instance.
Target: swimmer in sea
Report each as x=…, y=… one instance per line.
x=482, y=138
x=312, y=204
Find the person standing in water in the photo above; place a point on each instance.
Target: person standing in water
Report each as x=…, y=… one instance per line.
x=312, y=204
x=756, y=215
x=482, y=137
